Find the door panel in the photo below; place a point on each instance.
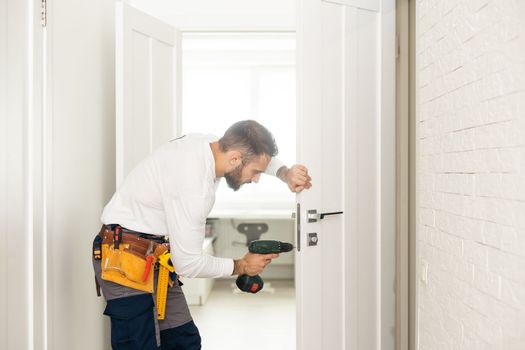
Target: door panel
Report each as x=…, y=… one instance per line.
x=147, y=85
x=342, y=281
x=136, y=119
x=366, y=160
x=308, y=267
x=331, y=235
x=351, y=188
x=164, y=93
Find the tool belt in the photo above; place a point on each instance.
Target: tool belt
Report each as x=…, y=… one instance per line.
x=128, y=258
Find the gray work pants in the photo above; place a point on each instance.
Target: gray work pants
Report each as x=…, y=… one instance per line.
x=124, y=312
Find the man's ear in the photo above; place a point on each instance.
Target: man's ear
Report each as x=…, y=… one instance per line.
x=234, y=158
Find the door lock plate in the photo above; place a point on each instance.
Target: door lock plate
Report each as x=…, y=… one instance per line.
x=312, y=239
x=312, y=215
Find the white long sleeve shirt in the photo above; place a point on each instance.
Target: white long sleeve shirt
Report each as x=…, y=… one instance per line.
x=171, y=193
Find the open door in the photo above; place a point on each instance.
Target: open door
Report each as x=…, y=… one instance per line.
x=148, y=102
x=345, y=265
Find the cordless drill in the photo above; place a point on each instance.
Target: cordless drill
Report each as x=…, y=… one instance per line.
x=253, y=284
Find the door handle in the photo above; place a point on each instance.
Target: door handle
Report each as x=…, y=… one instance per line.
x=313, y=216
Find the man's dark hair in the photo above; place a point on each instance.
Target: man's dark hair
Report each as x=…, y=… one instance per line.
x=250, y=138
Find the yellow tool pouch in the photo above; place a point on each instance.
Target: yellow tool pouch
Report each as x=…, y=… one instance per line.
x=124, y=267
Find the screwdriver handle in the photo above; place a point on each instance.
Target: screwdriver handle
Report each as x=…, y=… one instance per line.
x=149, y=261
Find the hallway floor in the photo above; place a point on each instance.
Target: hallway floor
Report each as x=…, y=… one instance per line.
x=236, y=321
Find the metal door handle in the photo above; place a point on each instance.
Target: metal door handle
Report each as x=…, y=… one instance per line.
x=313, y=216
x=322, y=215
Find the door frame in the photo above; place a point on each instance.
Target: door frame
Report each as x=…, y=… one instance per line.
x=406, y=296
x=24, y=188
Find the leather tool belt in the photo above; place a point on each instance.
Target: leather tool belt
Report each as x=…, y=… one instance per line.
x=128, y=258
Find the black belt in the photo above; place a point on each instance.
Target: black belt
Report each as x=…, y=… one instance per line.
x=154, y=238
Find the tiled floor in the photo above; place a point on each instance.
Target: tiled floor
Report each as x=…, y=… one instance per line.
x=241, y=321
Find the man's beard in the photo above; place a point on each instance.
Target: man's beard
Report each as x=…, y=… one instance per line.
x=233, y=178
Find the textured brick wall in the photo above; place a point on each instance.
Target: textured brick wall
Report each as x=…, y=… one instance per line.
x=471, y=174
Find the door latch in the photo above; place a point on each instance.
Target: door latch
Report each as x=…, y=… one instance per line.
x=313, y=216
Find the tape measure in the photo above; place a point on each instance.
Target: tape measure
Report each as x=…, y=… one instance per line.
x=162, y=285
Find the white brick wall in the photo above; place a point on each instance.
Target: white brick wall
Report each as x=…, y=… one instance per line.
x=470, y=66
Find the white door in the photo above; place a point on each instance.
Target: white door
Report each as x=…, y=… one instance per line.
x=346, y=136
x=147, y=69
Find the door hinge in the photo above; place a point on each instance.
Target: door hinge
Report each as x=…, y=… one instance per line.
x=43, y=12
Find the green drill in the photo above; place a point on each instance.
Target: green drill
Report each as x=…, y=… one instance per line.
x=253, y=284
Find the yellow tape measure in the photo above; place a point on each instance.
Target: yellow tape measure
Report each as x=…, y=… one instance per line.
x=162, y=285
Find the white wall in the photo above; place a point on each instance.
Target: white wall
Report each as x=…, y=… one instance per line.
x=57, y=171
x=81, y=162
x=16, y=326
x=471, y=174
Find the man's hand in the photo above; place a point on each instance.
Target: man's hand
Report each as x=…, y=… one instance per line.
x=252, y=264
x=296, y=177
